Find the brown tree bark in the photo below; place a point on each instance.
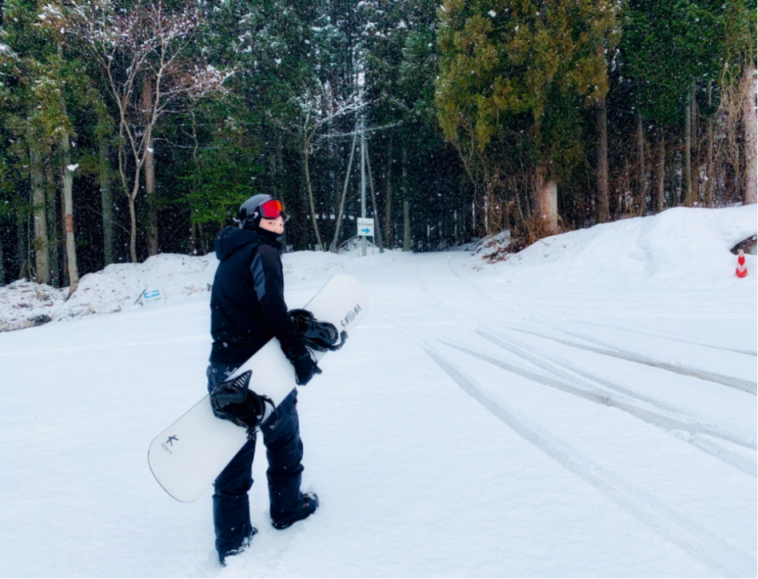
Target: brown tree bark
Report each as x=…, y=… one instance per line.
x=68, y=214
x=689, y=193
x=2, y=263
x=641, y=168
x=39, y=212
x=152, y=211
x=709, y=172
x=23, y=249
x=51, y=192
x=603, y=204
x=407, y=243
x=106, y=198
x=545, y=192
x=377, y=226
x=661, y=176
x=388, y=202
x=749, y=127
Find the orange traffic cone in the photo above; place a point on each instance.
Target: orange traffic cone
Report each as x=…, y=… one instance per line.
x=741, y=265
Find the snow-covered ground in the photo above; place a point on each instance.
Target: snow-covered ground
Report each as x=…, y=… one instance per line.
x=586, y=408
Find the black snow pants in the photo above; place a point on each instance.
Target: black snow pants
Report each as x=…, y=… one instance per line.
x=284, y=451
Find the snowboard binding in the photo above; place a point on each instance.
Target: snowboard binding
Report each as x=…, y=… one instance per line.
x=317, y=335
x=232, y=400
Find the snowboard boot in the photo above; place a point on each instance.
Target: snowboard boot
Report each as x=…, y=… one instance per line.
x=243, y=547
x=307, y=508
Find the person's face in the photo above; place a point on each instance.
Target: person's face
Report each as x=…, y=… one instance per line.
x=274, y=225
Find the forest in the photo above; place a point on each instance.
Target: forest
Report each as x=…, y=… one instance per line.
x=137, y=127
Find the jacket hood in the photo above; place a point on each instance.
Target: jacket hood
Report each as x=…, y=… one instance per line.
x=232, y=238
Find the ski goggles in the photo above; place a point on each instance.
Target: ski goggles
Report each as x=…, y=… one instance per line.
x=272, y=209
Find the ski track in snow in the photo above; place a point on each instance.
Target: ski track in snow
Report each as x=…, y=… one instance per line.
x=713, y=551
x=696, y=540
x=609, y=350
x=675, y=425
x=669, y=338
x=615, y=352
x=680, y=421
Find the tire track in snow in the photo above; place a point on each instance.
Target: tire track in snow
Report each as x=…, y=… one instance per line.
x=671, y=425
x=731, y=382
x=613, y=352
x=466, y=321
x=662, y=337
x=697, y=541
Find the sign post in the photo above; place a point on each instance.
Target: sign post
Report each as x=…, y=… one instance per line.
x=365, y=229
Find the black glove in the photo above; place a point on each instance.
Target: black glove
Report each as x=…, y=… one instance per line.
x=305, y=368
x=232, y=400
x=317, y=335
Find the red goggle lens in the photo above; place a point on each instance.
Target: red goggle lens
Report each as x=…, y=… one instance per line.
x=273, y=209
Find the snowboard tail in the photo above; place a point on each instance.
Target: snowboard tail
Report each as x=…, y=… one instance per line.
x=188, y=456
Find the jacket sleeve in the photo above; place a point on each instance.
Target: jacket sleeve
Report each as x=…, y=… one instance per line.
x=269, y=287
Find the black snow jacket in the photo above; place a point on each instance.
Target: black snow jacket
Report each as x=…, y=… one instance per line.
x=247, y=299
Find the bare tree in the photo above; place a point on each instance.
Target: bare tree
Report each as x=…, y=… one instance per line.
x=317, y=107
x=146, y=46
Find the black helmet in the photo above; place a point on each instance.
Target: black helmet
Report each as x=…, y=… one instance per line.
x=252, y=210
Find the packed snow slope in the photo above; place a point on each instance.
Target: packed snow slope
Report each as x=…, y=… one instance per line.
x=585, y=408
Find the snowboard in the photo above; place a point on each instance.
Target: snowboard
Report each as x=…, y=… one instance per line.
x=188, y=456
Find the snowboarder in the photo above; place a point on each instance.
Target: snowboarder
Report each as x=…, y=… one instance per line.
x=247, y=310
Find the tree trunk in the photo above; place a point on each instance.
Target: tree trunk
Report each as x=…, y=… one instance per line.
x=68, y=214
x=377, y=227
x=51, y=192
x=641, y=167
x=23, y=249
x=487, y=205
x=749, y=124
x=309, y=188
x=388, y=202
x=661, y=176
x=603, y=206
x=132, y=230
x=152, y=211
x=407, y=246
x=709, y=176
x=406, y=206
x=106, y=197
x=689, y=196
x=41, y=245
x=546, y=199
x=2, y=264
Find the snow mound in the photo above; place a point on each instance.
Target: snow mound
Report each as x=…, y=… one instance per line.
x=120, y=285
x=680, y=243
x=24, y=304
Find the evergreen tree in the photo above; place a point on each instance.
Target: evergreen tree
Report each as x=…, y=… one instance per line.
x=515, y=74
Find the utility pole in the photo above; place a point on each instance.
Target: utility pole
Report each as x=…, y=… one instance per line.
x=360, y=130
x=363, y=182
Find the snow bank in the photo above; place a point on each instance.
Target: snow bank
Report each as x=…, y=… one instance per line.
x=680, y=243
x=24, y=304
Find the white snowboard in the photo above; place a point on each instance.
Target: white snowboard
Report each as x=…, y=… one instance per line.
x=188, y=456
